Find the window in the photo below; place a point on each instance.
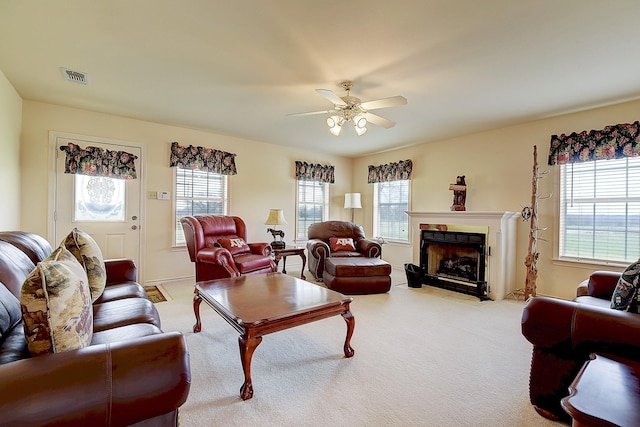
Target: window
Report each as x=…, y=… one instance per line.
x=313, y=205
x=390, y=203
x=198, y=193
x=98, y=198
x=600, y=210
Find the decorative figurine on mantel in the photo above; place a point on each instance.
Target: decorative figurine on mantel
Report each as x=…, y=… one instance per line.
x=459, y=193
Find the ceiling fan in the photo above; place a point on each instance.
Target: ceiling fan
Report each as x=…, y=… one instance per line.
x=349, y=107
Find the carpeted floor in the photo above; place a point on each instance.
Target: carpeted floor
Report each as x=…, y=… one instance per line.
x=423, y=357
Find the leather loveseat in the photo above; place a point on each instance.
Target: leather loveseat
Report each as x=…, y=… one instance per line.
x=130, y=373
x=564, y=334
x=319, y=244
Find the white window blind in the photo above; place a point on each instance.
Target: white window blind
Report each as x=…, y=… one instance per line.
x=600, y=210
x=391, y=201
x=313, y=205
x=198, y=193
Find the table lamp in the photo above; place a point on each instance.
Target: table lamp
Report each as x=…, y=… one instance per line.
x=352, y=201
x=274, y=219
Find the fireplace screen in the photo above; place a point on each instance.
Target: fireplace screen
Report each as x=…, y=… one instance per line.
x=454, y=260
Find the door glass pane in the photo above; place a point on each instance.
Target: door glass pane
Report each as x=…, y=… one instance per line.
x=98, y=198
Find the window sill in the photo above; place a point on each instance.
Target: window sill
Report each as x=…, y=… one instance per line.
x=396, y=242
x=589, y=265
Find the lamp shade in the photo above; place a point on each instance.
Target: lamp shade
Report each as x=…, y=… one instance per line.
x=276, y=217
x=352, y=201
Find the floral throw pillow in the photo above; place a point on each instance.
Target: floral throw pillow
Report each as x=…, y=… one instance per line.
x=236, y=246
x=625, y=296
x=57, y=314
x=342, y=244
x=89, y=255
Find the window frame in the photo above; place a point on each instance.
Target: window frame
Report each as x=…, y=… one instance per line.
x=301, y=234
x=176, y=198
x=376, y=213
x=562, y=174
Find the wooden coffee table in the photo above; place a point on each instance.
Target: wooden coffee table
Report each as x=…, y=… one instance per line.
x=260, y=304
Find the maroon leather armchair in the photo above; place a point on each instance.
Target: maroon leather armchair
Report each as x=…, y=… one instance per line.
x=319, y=247
x=212, y=241
x=564, y=334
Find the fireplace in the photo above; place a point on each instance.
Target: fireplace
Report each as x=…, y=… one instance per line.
x=454, y=260
x=500, y=229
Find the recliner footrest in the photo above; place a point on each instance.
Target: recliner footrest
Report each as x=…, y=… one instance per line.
x=357, y=275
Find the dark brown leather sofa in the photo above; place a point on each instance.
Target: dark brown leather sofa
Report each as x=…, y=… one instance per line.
x=132, y=373
x=319, y=248
x=564, y=334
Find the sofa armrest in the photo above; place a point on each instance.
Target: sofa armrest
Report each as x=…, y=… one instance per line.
x=263, y=249
x=318, y=248
x=369, y=248
x=218, y=256
x=600, y=284
x=580, y=328
x=121, y=270
x=101, y=385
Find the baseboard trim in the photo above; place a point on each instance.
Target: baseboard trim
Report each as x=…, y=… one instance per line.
x=172, y=280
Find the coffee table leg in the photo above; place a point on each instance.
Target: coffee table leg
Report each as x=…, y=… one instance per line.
x=197, y=299
x=248, y=345
x=351, y=323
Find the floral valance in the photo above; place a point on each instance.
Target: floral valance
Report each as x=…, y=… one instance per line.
x=612, y=142
x=390, y=171
x=204, y=159
x=311, y=172
x=97, y=161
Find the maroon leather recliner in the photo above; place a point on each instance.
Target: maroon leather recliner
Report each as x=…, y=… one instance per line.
x=319, y=248
x=204, y=233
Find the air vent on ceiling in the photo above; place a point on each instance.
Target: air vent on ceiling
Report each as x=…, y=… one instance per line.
x=75, y=76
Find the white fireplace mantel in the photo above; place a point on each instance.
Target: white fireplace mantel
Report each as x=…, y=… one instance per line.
x=501, y=241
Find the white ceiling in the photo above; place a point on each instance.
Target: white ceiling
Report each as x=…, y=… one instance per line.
x=238, y=67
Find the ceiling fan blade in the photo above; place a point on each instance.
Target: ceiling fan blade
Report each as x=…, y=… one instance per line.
x=311, y=113
x=384, y=103
x=332, y=97
x=380, y=121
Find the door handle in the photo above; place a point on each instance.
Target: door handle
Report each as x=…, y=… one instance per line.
x=134, y=227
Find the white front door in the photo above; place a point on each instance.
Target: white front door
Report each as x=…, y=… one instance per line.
x=108, y=209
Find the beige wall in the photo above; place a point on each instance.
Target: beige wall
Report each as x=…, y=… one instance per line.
x=497, y=164
x=265, y=179
x=498, y=168
x=10, y=126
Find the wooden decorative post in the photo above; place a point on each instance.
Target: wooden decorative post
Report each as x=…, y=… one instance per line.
x=532, y=256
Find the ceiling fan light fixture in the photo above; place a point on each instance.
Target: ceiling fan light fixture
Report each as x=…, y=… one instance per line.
x=349, y=108
x=335, y=124
x=335, y=130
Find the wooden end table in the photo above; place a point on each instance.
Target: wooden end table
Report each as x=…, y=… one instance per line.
x=606, y=392
x=260, y=304
x=288, y=251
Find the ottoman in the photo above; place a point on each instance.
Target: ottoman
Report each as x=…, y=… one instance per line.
x=357, y=275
